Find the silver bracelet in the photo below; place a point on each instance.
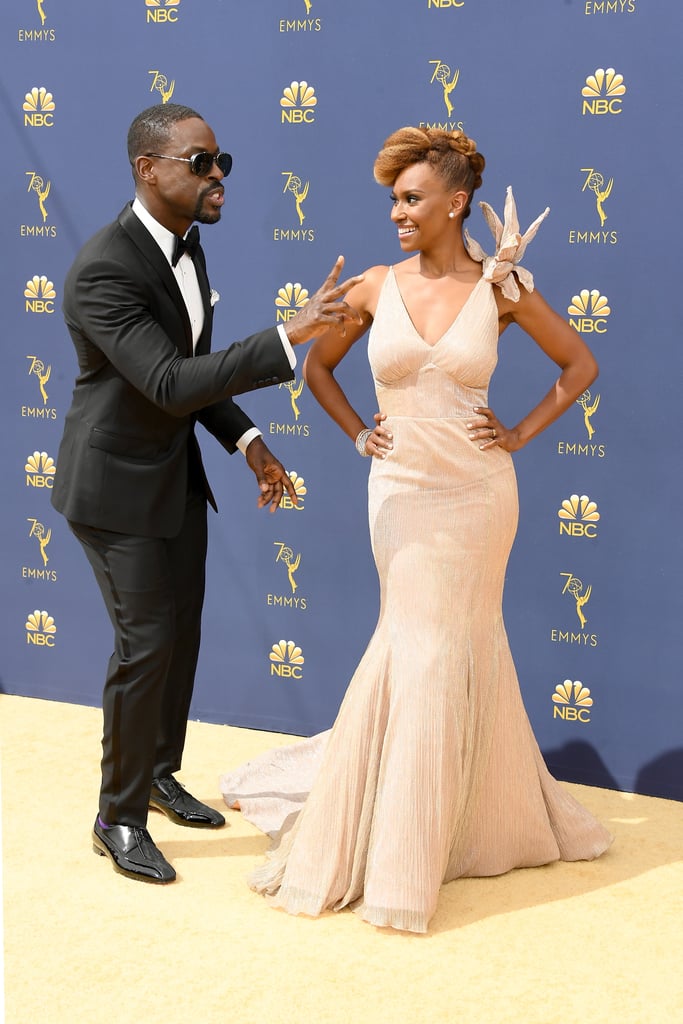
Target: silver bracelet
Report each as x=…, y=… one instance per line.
x=361, y=441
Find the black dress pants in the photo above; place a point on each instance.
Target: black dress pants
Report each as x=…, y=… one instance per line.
x=153, y=589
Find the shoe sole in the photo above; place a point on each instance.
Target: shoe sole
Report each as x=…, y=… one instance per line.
x=103, y=851
x=179, y=820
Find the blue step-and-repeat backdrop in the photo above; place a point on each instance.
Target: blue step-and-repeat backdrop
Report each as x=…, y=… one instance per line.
x=576, y=104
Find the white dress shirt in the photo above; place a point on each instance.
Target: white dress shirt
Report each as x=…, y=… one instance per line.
x=186, y=275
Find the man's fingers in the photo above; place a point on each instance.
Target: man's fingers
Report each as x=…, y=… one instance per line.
x=344, y=287
x=289, y=487
x=333, y=275
x=272, y=490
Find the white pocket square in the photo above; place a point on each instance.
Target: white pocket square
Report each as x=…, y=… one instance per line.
x=215, y=297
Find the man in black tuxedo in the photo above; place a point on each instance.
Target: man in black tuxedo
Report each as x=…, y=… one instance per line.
x=130, y=479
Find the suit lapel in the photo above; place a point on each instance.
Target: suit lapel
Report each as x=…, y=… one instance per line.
x=204, y=342
x=142, y=239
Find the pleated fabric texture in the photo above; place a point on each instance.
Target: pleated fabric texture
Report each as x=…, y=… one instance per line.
x=431, y=771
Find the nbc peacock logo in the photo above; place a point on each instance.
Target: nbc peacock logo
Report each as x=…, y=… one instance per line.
x=161, y=12
x=40, y=295
x=578, y=516
x=588, y=312
x=572, y=701
x=40, y=470
x=300, y=491
x=297, y=103
x=286, y=660
x=602, y=93
x=289, y=300
x=41, y=630
x=39, y=108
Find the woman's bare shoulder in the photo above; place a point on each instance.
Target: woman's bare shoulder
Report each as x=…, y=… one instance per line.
x=364, y=295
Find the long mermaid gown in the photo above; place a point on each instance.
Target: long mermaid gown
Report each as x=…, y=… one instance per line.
x=431, y=771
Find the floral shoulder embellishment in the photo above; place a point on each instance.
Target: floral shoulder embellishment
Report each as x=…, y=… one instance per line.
x=510, y=248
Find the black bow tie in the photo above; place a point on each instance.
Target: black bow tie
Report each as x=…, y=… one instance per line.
x=188, y=244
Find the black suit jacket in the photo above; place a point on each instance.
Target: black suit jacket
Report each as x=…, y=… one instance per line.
x=123, y=460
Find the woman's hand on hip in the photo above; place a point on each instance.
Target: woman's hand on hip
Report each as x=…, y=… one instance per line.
x=486, y=430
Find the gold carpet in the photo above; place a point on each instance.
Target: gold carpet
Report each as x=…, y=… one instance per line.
x=590, y=942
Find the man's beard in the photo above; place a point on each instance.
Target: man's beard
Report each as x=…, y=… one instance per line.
x=204, y=216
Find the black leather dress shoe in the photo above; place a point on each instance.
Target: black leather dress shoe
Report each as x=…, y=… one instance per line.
x=131, y=850
x=177, y=804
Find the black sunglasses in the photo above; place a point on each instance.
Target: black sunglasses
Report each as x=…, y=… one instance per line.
x=201, y=163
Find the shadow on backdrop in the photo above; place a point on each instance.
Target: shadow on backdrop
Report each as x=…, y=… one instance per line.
x=663, y=776
x=577, y=761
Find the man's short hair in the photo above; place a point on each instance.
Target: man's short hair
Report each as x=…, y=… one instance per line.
x=150, y=130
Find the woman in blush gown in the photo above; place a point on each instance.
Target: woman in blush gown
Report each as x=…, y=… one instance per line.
x=431, y=771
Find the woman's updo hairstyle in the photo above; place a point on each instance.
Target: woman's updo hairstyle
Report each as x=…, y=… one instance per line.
x=452, y=155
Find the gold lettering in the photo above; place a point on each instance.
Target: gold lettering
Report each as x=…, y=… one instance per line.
x=293, y=234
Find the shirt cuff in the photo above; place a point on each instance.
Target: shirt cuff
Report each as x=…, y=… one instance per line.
x=287, y=345
x=247, y=437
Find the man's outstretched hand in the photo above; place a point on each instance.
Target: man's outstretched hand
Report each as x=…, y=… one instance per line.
x=324, y=309
x=270, y=474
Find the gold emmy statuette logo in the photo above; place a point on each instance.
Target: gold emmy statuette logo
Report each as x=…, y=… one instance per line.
x=37, y=35
x=160, y=85
x=286, y=555
x=293, y=184
x=306, y=24
x=578, y=516
x=297, y=102
x=596, y=183
x=442, y=73
x=40, y=629
x=574, y=586
x=602, y=92
x=161, y=11
x=39, y=108
x=41, y=189
x=588, y=312
x=40, y=295
x=300, y=489
x=40, y=470
x=294, y=393
x=37, y=368
x=572, y=701
x=42, y=536
x=286, y=660
x=590, y=407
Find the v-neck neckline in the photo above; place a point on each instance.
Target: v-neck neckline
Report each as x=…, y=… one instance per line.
x=452, y=323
